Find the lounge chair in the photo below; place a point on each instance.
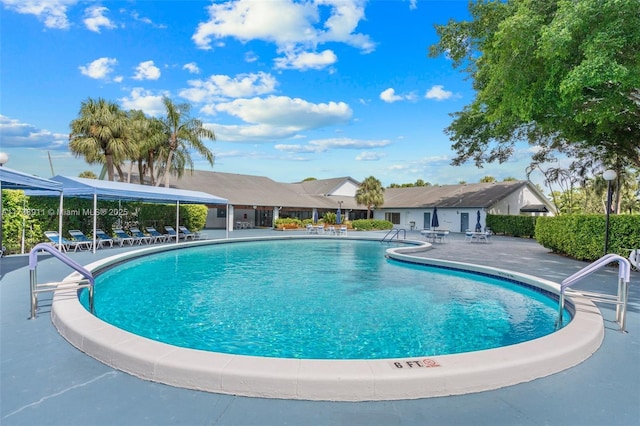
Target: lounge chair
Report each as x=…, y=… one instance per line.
x=156, y=236
x=102, y=238
x=172, y=234
x=343, y=231
x=82, y=240
x=122, y=237
x=188, y=234
x=140, y=236
x=63, y=243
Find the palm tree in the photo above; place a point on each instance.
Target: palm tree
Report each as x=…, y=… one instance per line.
x=370, y=193
x=98, y=134
x=182, y=133
x=146, y=136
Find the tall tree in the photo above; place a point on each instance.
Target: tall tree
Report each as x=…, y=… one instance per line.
x=182, y=133
x=562, y=74
x=370, y=193
x=98, y=134
x=146, y=135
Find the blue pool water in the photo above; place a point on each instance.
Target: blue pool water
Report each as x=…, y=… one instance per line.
x=315, y=299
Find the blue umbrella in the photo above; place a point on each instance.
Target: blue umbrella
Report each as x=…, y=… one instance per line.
x=315, y=216
x=478, y=225
x=338, y=217
x=434, y=218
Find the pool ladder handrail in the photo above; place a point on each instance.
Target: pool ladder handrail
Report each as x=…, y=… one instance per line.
x=395, y=232
x=87, y=282
x=620, y=299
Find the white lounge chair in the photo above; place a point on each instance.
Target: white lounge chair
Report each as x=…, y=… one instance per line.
x=122, y=237
x=82, y=240
x=102, y=238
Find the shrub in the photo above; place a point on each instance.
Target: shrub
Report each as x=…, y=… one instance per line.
x=288, y=223
x=582, y=236
x=371, y=224
x=516, y=226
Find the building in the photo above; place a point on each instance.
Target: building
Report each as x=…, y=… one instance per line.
x=257, y=201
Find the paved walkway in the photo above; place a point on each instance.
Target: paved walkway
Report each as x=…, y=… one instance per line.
x=46, y=381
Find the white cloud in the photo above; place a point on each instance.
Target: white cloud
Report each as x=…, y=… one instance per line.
x=99, y=69
x=389, y=95
x=144, y=100
x=288, y=112
x=296, y=28
x=16, y=134
x=250, y=57
x=438, y=93
x=147, y=71
x=306, y=60
x=95, y=19
x=251, y=133
x=324, y=145
x=52, y=12
x=221, y=87
x=192, y=67
x=369, y=156
x=136, y=16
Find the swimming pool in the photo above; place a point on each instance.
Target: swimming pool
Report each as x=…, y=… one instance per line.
x=316, y=299
x=328, y=379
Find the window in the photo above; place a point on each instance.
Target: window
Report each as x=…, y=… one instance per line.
x=392, y=217
x=222, y=212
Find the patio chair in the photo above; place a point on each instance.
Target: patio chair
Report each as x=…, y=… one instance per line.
x=343, y=231
x=63, y=243
x=156, y=236
x=102, y=238
x=122, y=237
x=172, y=234
x=82, y=240
x=140, y=236
x=188, y=234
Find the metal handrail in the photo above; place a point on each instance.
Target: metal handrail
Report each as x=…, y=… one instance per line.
x=395, y=232
x=35, y=288
x=620, y=300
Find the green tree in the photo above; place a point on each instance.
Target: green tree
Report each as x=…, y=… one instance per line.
x=88, y=174
x=98, y=134
x=181, y=134
x=370, y=193
x=146, y=136
x=488, y=179
x=561, y=74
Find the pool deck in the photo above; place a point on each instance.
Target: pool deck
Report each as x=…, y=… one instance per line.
x=46, y=381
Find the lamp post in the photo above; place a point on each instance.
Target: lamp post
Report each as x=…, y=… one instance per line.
x=4, y=157
x=608, y=175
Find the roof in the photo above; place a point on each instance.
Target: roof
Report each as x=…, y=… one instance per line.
x=534, y=208
x=250, y=190
x=13, y=179
x=474, y=195
x=109, y=190
x=325, y=186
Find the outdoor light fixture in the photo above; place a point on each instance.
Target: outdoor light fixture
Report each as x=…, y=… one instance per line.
x=608, y=175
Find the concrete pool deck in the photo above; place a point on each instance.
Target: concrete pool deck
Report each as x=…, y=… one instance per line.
x=45, y=380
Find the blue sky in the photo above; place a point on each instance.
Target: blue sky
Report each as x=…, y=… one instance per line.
x=322, y=88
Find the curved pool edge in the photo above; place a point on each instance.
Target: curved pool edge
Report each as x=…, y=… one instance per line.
x=331, y=380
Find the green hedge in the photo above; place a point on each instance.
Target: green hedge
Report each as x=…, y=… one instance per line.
x=582, y=236
x=371, y=224
x=516, y=226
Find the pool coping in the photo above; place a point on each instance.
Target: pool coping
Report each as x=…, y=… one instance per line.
x=332, y=380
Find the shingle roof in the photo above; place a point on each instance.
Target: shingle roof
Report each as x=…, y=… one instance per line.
x=468, y=195
x=253, y=190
